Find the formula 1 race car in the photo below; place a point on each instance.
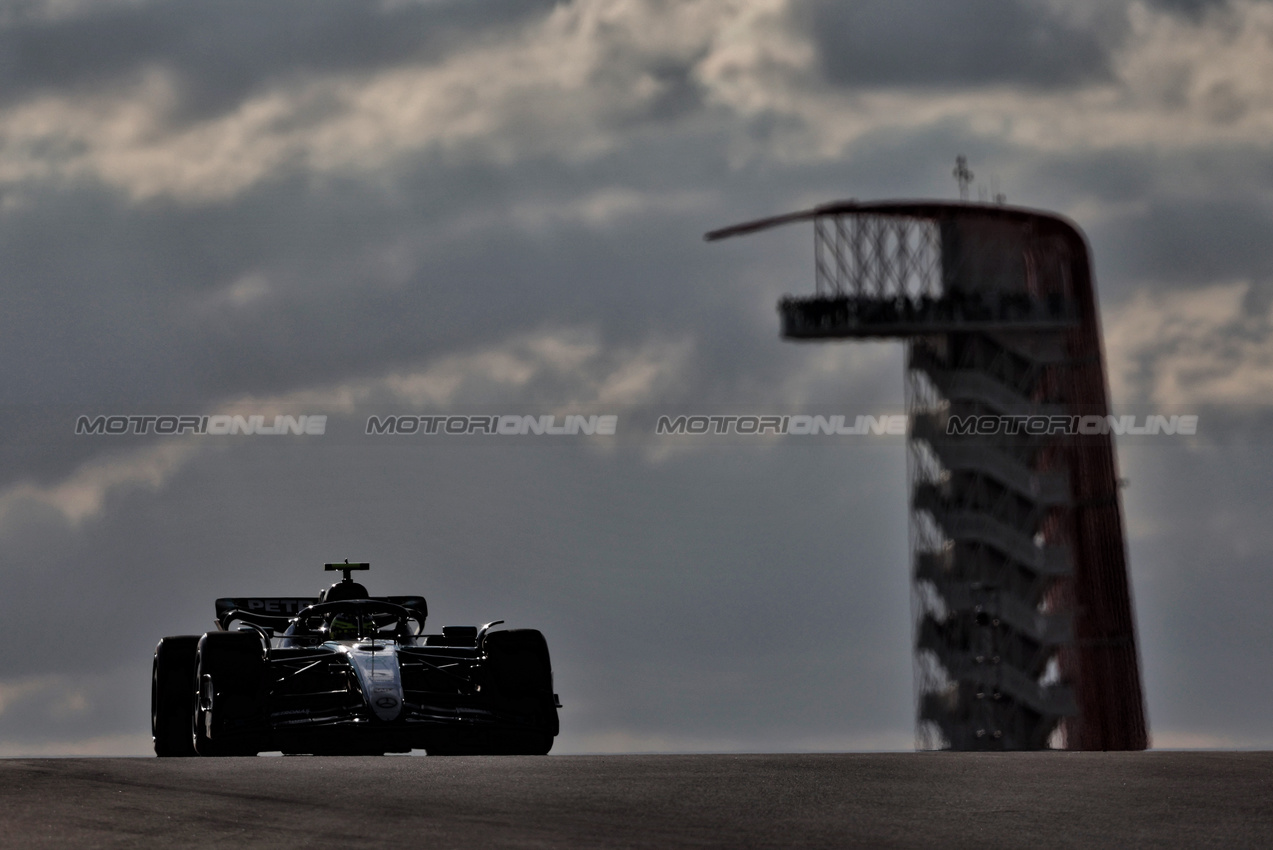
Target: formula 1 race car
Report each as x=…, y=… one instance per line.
x=349, y=673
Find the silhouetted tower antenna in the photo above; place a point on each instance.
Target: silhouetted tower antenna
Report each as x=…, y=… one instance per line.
x=963, y=176
x=1024, y=634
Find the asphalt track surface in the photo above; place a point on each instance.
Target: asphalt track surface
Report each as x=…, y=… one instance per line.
x=1153, y=799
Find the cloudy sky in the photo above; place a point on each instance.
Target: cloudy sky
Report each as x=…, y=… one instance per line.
x=446, y=206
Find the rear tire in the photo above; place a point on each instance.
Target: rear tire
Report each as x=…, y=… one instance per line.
x=172, y=696
x=229, y=716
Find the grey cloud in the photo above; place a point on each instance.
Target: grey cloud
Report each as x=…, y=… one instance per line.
x=884, y=43
x=1200, y=585
x=1181, y=242
x=221, y=52
x=74, y=707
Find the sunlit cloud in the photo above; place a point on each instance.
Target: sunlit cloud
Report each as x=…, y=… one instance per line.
x=580, y=372
x=82, y=495
x=569, y=84
x=557, y=87
x=1200, y=346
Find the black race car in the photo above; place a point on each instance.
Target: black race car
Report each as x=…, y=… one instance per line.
x=350, y=673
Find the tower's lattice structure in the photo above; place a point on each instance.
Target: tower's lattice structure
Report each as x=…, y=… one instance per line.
x=1024, y=636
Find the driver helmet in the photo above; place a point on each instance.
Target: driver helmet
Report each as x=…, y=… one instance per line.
x=343, y=627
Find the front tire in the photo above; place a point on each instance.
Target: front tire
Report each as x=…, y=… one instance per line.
x=172, y=696
x=229, y=715
x=521, y=675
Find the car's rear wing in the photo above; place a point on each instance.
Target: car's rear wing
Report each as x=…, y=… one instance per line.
x=275, y=611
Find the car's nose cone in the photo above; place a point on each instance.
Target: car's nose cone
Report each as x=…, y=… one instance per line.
x=377, y=671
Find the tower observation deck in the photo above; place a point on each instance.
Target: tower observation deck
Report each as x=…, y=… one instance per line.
x=1024, y=633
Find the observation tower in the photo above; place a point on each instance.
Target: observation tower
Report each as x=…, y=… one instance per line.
x=1024, y=633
